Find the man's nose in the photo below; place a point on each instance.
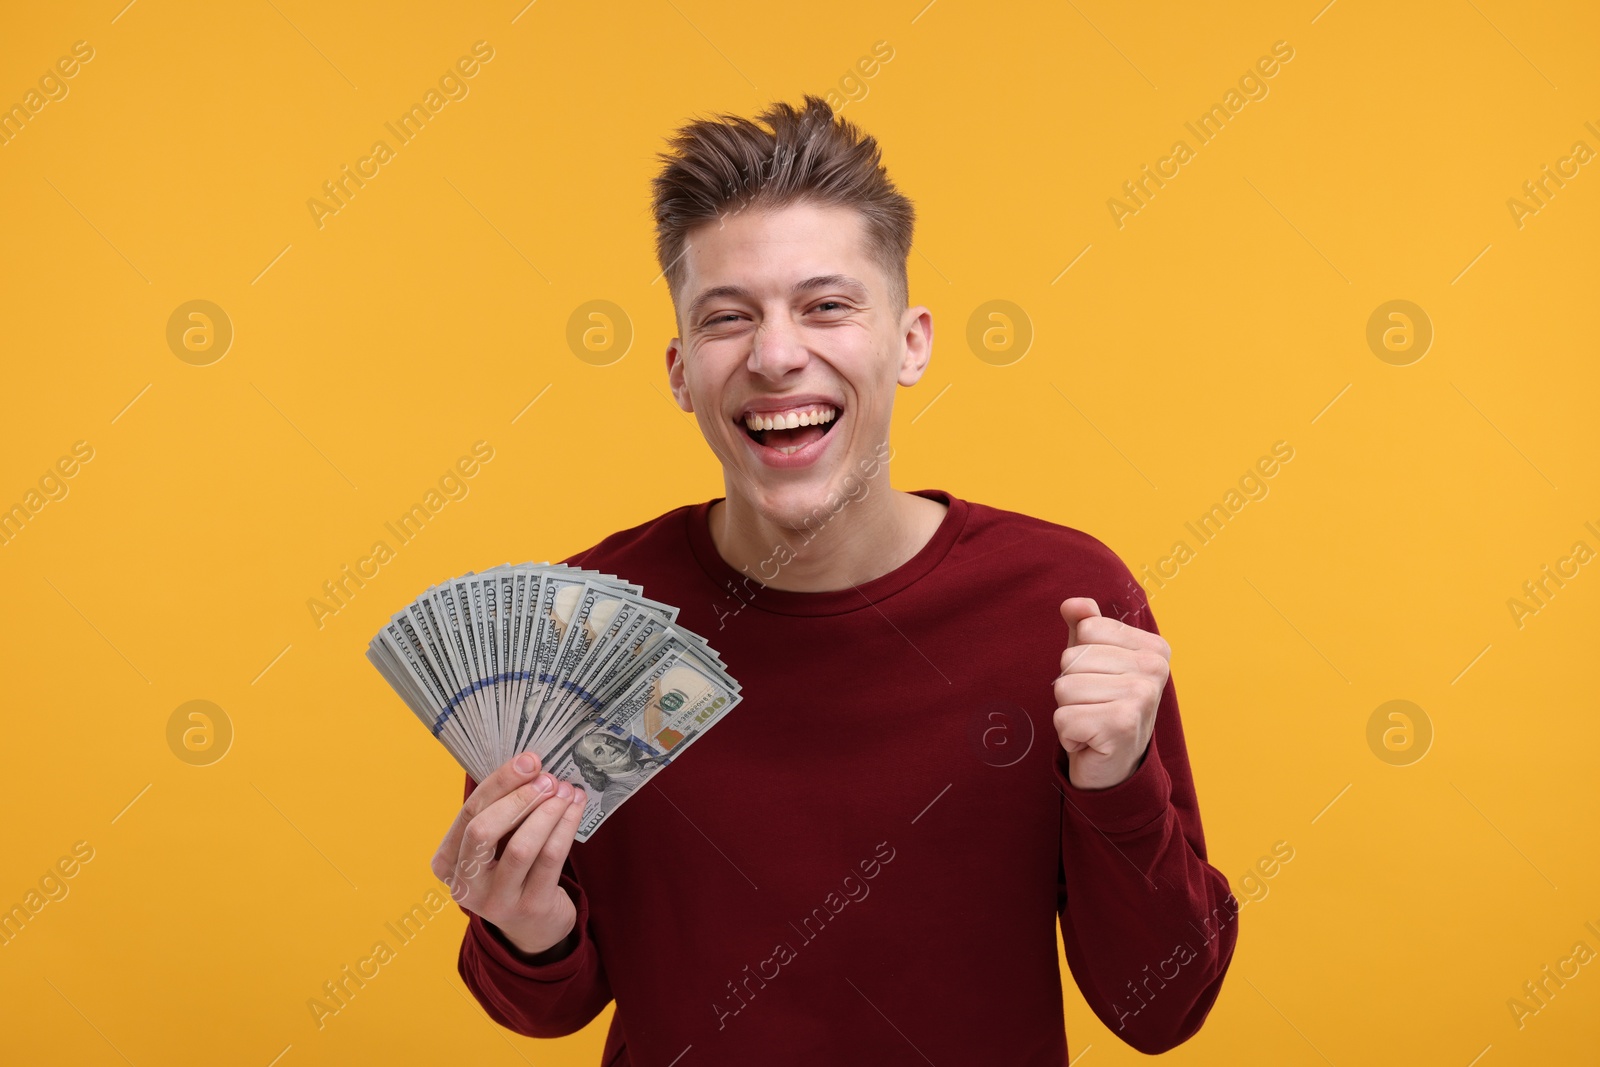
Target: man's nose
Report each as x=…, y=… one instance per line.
x=777, y=349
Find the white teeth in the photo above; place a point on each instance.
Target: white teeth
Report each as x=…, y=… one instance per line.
x=813, y=416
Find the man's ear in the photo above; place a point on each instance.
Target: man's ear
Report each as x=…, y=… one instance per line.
x=675, y=381
x=917, y=331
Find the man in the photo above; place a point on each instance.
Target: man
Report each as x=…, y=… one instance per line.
x=958, y=734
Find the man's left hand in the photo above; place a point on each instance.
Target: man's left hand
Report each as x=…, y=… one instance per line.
x=1112, y=677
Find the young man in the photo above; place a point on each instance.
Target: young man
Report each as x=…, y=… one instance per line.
x=958, y=730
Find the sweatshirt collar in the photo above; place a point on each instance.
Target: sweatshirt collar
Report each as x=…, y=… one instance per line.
x=747, y=587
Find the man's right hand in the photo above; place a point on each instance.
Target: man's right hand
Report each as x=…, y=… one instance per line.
x=516, y=888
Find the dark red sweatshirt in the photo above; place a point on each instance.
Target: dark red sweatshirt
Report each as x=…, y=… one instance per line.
x=864, y=862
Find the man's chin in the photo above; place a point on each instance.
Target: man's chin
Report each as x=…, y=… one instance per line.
x=798, y=504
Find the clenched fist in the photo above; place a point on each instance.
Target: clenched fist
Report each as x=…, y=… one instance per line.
x=1112, y=677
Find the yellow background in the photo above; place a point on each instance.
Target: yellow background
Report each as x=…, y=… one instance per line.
x=1228, y=314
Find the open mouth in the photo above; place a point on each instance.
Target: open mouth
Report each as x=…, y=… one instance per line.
x=791, y=430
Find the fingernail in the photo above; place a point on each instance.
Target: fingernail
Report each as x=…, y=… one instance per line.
x=526, y=763
x=544, y=782
x=563, y=790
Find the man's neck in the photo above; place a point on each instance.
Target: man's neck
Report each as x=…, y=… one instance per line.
x=864, y=539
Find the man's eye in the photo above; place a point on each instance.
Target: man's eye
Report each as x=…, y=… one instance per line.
x=829, y=303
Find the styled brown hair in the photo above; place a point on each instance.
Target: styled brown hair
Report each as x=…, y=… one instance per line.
x=723, y=165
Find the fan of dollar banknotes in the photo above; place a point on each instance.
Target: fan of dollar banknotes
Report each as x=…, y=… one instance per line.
x=574, y=665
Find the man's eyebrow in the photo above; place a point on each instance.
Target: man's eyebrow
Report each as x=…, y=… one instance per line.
x=844, y=282
x=835, y=281
x=716, y=293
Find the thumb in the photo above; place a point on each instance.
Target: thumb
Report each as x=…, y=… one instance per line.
x=1075, y=609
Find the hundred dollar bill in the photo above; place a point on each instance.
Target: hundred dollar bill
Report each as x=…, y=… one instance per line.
x=576, y=665
x=444, y=626
x=544, y=640
x=597, y=629
x=423, y=619
x=664, y=712
x=617, y=661
x=399, y=654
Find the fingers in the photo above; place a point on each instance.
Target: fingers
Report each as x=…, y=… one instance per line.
x=546, y=871
x=1074, y=689
x=531, y=864
x=1078, y=728
x=1101, y=659
x=492, y=824
x=1074, y=610
x=512, y=774
x=478, y=864
x=1103, y=728
x=1091, y=728
x=1099, y=630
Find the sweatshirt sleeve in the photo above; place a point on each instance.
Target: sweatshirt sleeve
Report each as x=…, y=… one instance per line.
x=1148, y=925
x=550, y=999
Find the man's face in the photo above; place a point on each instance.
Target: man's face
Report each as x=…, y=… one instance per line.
x=785, y=319
x=609, y=754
